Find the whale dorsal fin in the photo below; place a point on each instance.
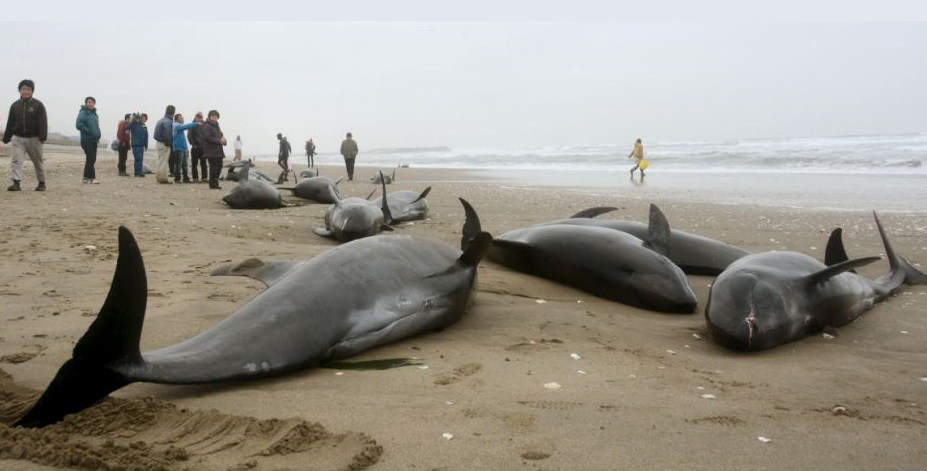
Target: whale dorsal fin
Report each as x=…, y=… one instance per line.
x=658, y=231
x=477, y=248
x=266, y=272
x=835, y=252
x=593, y=212
x=832, y=271
x=471, y=225
x=243, y=173
x=387, y=216
x=423, y=195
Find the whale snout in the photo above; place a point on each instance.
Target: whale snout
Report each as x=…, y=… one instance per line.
x=664, y=293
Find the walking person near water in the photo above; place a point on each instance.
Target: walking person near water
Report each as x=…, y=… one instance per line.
x=89, y=126
x=162, y=135
x=349, y=152
x=283, y=158
x=638, y=155
x=237, y=148
x=310, y=152
x=27, y=128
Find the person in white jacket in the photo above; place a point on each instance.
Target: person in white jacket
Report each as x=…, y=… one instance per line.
x=237, y=148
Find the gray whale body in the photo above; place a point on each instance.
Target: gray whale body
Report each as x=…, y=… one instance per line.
x=374, y=291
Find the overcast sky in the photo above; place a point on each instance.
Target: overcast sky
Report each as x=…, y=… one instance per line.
x=481, y=84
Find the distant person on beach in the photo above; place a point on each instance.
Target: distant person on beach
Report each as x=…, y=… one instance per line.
x=195, y=135
x=27, y=128
x=180, y=149
x=237, y=148
x=162, y=135
x=213, y=143
x=139, y=139
x=283, y=158
x=349, y=152
x=310, y=152
x=88, y=123
x=637, y=154
x=122, y=135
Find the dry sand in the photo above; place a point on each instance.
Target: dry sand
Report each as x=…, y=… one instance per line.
x=633, y=382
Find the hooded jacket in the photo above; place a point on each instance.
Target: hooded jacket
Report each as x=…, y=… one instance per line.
x=88, y=124
x=27, y=119
x=122, y=133
x=195, y=135
x=212, y=140
x=139, y=132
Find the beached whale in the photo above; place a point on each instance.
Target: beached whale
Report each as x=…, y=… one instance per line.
x=610, y=264
x=317, y=188
x=308, y=173
x=694, y=254
x=406, y=205
x=252, y=193
x=234, y=171
x=768, y=299
x=380, y=178
x=354, y=218
x=349, y=299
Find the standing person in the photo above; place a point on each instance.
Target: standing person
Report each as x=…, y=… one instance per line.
x=88, y=123
x=237, y=148
x=180, y=149
x=212, y=149
x=27, y=127
x=195, y=134
x=638, y=154
x=122, y=134
x=283, y=158
x=310, y=152
x=162, y=134
x=139, y=139
x=349, y=151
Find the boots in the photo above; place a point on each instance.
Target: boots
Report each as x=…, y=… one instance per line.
x=41, y=186
x=14, y=186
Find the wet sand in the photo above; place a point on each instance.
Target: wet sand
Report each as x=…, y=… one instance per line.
x=632, y=396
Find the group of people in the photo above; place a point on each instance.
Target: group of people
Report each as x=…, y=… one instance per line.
x=197, y=146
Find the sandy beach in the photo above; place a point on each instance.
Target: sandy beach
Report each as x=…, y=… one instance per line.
x=638, y=389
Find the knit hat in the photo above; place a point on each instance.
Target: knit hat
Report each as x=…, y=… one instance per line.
x=26, y=83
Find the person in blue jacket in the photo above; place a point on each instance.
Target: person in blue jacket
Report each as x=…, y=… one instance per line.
x=180, y=148
x=89, y=126
x=139, y=132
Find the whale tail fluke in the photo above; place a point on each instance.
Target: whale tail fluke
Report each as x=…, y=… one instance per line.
x=900, y=271
x=112, y=340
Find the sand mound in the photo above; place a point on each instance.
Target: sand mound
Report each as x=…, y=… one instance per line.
x=151, y=434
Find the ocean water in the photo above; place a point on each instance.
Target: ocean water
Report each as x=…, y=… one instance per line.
x=903, y=154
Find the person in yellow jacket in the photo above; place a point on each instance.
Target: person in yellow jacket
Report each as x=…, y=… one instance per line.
x=638, y=155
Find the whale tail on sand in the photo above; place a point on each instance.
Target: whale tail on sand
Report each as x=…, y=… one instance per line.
x=112, y=340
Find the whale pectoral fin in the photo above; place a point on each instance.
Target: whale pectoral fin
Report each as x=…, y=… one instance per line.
x=323, y=232
x=593, y=212
x=266, y=272
x=830, y=272
x=422, y=196
x=658, y=232
x=835, y=252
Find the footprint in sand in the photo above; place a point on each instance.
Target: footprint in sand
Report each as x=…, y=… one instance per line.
x=458, y=374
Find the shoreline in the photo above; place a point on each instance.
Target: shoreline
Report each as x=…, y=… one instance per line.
x=633, y=398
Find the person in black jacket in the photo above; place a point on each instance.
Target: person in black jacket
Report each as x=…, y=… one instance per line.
x=27, y=128
x=283, y=158
x=213, y=141
x=195, y=136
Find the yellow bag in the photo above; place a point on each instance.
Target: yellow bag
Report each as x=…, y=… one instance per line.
x=643, y=164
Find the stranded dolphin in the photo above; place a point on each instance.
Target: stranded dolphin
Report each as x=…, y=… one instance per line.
x=380, y=178
x=772, y=298
x=695, y=254
x=316, y=189
x=406, y=205
x=610, y=264
x=252, y=193
x=354, y=218
x=349, y=299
